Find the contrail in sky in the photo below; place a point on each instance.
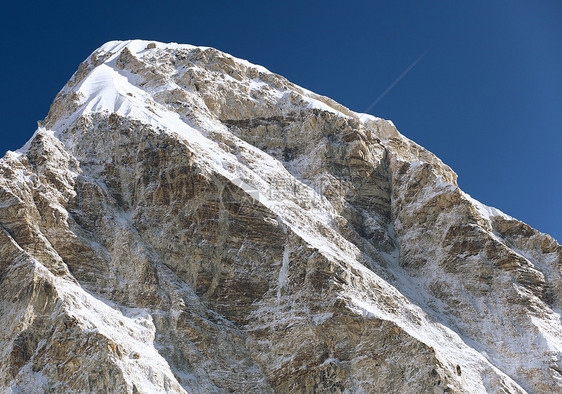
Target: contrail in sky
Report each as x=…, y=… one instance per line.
x=393, y=84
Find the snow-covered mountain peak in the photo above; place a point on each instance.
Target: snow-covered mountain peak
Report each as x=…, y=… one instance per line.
x=184, y=220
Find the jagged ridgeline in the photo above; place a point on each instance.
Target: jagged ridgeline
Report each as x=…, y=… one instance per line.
x=185, y=221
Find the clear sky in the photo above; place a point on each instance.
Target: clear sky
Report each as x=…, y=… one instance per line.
x=486, y=95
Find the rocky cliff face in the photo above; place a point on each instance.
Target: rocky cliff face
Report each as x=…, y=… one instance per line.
x=184, y=221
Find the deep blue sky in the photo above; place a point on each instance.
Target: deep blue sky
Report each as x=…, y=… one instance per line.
x=486, y=97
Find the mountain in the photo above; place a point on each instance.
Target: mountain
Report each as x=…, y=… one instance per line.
x=185, y=221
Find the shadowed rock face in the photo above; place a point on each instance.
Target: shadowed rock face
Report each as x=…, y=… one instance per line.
x=184, y=221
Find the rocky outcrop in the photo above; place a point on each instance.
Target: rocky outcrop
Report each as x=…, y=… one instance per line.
x=185, y=221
